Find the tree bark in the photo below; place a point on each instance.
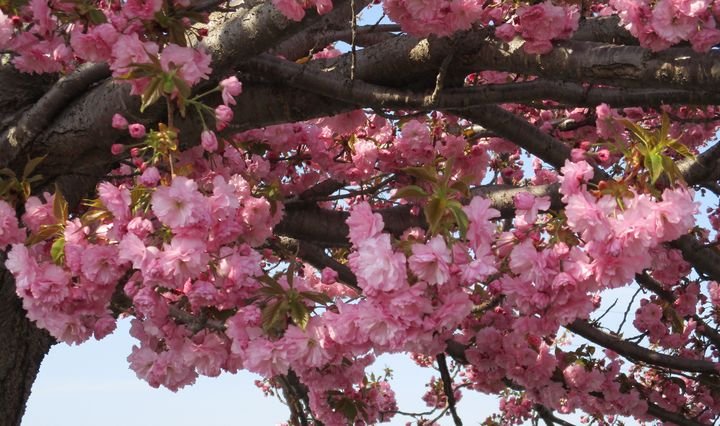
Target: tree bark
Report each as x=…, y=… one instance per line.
x=23, y=348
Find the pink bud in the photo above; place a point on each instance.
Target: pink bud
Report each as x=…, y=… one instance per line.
x=134, y=152
x=329, y=276
x=136, y=130
x=223, y=116
x=603, y=155
x=117, y=148
x=150, y=177
x=119, y=122
x=209, y=141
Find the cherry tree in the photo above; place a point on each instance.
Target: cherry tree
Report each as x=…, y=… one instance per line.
x=462, y=183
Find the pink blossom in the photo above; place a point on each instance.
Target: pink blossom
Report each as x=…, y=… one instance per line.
x=38, y=213
x=705, y=39
x=670, y=25
x=231, y=87
x=100, y=264
x=193, y=64
x=116, y=200
x=265, y=358
x=691, y=8
x=10, y=232
x=480, y=213
x=506, y=32
x=573, y=177
x=541, y=23
x=309, y=347
x=142, y=9
x=415, y=144
x=6, y=30
x=363, y=223
x=180, y=204
x=207, y=353
x=184, y=258
x=129, y=50
x=96, y=44
x=431, y=261
x=528, y=206
x=290, y=8
x=377, y=266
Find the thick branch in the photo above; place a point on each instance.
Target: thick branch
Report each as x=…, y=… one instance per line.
x=627, y=66
x=47, y=108
x=334, y=85
x=638, y=353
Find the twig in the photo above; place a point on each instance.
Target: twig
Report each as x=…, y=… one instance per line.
x=627, y=311
x=353, y=34
x=447, y=387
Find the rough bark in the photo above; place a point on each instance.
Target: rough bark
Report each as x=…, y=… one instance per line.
x=23, y=348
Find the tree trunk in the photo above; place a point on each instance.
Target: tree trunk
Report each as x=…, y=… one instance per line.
x=22, y=348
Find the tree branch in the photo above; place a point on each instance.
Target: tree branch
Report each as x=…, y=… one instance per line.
x=638, y=353
x=447, y=387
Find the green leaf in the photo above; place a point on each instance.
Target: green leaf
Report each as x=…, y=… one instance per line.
x=656, y=166
x=680, y=149
x=672, y=170
x=299, y=313
x=168, y=85
x=640, y=133
x=347, y=408
x=273, y=315
x=60, y=206
x=664, y=127
x=317, y=297
x=7, y=172
x=434, y=212
x=96, y=16
x=291, y=274
x=410, y=191
x=461, y=218
x=45, y=232
x=151, y=94
x=31, y=165
x=461, y=187
x=57, y=251
x=272, y=284
x=426, y=173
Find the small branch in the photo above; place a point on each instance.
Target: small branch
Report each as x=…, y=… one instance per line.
x=353, y=29
x=447, y=387
x=548, y=417
x=627, y=312
x=669, y=416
